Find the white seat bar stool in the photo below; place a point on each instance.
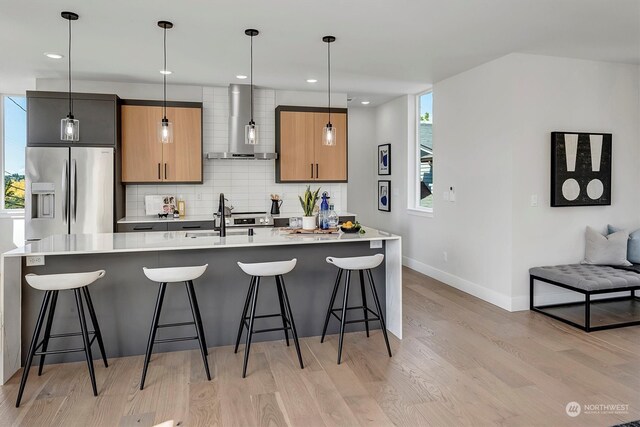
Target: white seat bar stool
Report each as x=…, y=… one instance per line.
x=361, y=264
x=257, y=271
x=51, y=284
x=175, y=275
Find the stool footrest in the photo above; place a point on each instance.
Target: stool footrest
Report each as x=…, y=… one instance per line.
x=69, y=334
x=264, y=316
x=70, y=350
x=271, y=330
x=375, y=317
x=171, y=325
x=175, y=339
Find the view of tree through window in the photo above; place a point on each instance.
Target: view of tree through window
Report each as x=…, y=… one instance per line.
x=425, y=140
x=14, y=110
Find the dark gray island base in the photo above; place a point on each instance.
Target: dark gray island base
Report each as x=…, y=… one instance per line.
x=125, y=299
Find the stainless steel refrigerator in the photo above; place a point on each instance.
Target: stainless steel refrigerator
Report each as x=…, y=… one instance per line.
x=69, y=190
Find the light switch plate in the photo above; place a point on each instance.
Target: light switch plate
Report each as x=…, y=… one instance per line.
x=375, y=244
x=35, y=260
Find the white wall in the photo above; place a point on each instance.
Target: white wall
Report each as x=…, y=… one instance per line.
x=491, y=132
x=247, y=184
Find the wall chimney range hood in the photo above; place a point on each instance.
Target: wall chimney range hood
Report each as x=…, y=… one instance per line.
x=239, y=115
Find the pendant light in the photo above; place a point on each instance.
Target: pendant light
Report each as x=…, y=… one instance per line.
x=329, y=132
x=69, y=126
x=251, y=130
x=165, y=131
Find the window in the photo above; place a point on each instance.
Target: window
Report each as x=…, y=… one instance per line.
x=423, y=160
x=13, y=111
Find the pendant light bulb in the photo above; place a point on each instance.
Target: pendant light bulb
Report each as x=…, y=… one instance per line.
x=165, y=130
x=329, y=132
x=69, y=126
x=251, y=130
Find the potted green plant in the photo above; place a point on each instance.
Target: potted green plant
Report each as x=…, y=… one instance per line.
x=308, y=203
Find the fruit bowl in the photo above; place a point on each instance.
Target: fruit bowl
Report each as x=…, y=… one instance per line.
x=354, y=229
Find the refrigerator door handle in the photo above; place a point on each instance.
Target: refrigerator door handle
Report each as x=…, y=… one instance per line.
x=74, y=191
x=65, y=191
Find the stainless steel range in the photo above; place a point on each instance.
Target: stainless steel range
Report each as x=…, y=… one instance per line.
x=246, y=219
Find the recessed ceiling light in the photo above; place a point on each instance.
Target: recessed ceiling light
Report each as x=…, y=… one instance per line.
x=53, y=55
x=312, y=80
x=364, y=102
x=166, y=72
x=241, y=76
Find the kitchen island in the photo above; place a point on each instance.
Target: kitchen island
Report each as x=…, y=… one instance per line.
x=124, y=299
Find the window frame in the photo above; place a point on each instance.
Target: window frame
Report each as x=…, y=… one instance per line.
x=6, y=213
x=413, y=200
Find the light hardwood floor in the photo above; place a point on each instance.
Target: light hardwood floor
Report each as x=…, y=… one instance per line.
x=462, y=362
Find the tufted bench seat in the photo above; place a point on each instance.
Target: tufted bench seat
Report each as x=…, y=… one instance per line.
x=588, y=280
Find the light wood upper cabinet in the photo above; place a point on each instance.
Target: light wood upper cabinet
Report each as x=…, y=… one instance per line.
x=183, y=158
x=331, y=161
x=301, y=155
x=296, y=156
x=146, y=160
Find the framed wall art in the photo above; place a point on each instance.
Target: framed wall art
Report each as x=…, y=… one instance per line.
x=384, y=159
x=580, y=169
x=384, y=196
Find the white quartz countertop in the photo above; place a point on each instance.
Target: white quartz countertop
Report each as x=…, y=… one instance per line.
x=187, y=218
x=76, y=244
x=192, y=218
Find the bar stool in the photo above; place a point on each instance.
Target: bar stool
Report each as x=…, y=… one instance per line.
x=360, y=264
x=176, y=275
x=257, y=271
x=51, y=284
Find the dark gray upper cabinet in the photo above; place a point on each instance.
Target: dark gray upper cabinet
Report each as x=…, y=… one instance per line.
x=97, y=113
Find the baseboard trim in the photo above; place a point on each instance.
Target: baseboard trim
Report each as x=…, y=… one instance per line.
x=496, y=298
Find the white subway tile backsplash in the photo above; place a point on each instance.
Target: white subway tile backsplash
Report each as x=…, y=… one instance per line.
x=247, y=184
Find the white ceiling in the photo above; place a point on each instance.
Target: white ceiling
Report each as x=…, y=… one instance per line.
x=384, y=48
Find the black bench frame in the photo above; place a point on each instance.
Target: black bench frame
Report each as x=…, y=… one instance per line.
x=587, y=303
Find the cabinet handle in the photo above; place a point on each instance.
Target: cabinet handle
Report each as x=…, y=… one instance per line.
x=165, y=171
x=191, y=227
x=142, y=228
x=311, y=170
x=159, y=176
x=317, y=174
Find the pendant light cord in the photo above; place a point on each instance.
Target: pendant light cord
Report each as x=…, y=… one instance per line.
x=251, y=71
x=70, y=101
x=164, y=76
x=329, y=77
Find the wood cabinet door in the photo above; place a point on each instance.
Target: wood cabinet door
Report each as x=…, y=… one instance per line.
x=296, y=156
x=141, y=150
x=182, y=160
x=330, y=161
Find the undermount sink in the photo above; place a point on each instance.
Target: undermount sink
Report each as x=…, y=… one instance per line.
x=196, y=234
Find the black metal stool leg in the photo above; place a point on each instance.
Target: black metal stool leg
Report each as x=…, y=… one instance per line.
x=33, y=345
x=244, y=313
x=198, y=324
x=198, y=319
x=152, y=332
x=283, y=313
x=343, y=318
x=331, y=302
x=96, y=327
x=364, y=302
x=379, y=309
x=247, y=346
x=85, y=338
x=47, y=329
x=280, y=283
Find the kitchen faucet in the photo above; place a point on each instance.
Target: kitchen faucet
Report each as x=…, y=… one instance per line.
x=223, y=225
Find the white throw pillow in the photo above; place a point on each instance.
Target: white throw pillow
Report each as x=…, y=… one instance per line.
x=606, y=250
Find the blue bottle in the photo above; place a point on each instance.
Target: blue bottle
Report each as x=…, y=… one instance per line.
x=324, y=211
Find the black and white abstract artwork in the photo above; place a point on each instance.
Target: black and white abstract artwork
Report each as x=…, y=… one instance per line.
x=580, y=169
x=384, y=196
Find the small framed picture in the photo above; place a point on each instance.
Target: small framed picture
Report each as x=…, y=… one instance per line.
x=384, y=159
x=384, y=196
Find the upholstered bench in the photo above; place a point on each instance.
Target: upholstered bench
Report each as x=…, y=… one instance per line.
x=587, y=280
